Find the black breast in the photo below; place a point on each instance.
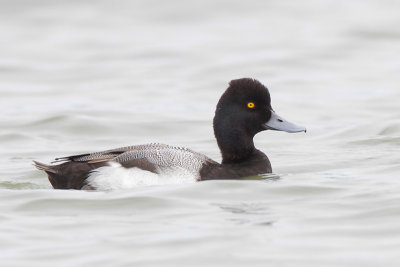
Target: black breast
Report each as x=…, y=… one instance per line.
x=256, y=163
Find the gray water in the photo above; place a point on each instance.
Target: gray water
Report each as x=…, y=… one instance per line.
x=82, y=76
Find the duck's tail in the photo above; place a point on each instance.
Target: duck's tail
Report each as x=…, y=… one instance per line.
x=54, y=174
x=43, y=167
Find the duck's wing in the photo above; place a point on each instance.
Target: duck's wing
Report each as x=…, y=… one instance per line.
x=148, y=157
x=106, y=155
x=158, y=157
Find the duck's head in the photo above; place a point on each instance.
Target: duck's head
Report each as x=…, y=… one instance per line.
x=245, y=110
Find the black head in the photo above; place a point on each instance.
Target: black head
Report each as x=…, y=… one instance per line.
x=245, y=106
x=242, y=111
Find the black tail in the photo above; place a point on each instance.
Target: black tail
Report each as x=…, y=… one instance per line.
x=68, y=175
x=57, y=180
x=43, y=167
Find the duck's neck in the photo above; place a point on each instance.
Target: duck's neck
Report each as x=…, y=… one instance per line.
x=235, y=145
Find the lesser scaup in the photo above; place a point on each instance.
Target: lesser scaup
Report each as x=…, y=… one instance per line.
x=242, y=111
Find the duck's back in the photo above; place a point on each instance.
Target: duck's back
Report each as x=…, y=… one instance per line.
x=126, y=167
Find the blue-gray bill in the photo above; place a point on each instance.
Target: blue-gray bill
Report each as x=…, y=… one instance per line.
x=278, y=123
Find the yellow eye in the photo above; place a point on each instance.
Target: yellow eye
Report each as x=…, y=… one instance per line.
x=250, y=105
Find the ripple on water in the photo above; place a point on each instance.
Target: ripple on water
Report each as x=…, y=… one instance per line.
x=378, y=140
x=391, y=129
x=19, y=186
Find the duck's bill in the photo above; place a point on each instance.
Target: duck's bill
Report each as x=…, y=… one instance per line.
x=278, y=123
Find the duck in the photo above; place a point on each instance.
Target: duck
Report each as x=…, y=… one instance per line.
x=243, y=110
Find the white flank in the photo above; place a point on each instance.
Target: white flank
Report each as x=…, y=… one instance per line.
x=115, y=177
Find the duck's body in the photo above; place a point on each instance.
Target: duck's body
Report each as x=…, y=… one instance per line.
x=243, y=111
x=114, y=169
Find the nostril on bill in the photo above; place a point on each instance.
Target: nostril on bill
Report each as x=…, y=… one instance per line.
x=280, y=120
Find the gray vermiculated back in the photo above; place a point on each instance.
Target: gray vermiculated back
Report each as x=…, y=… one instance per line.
x=166, y=156
x=160, y=155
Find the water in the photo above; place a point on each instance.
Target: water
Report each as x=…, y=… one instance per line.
x=81, y=76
